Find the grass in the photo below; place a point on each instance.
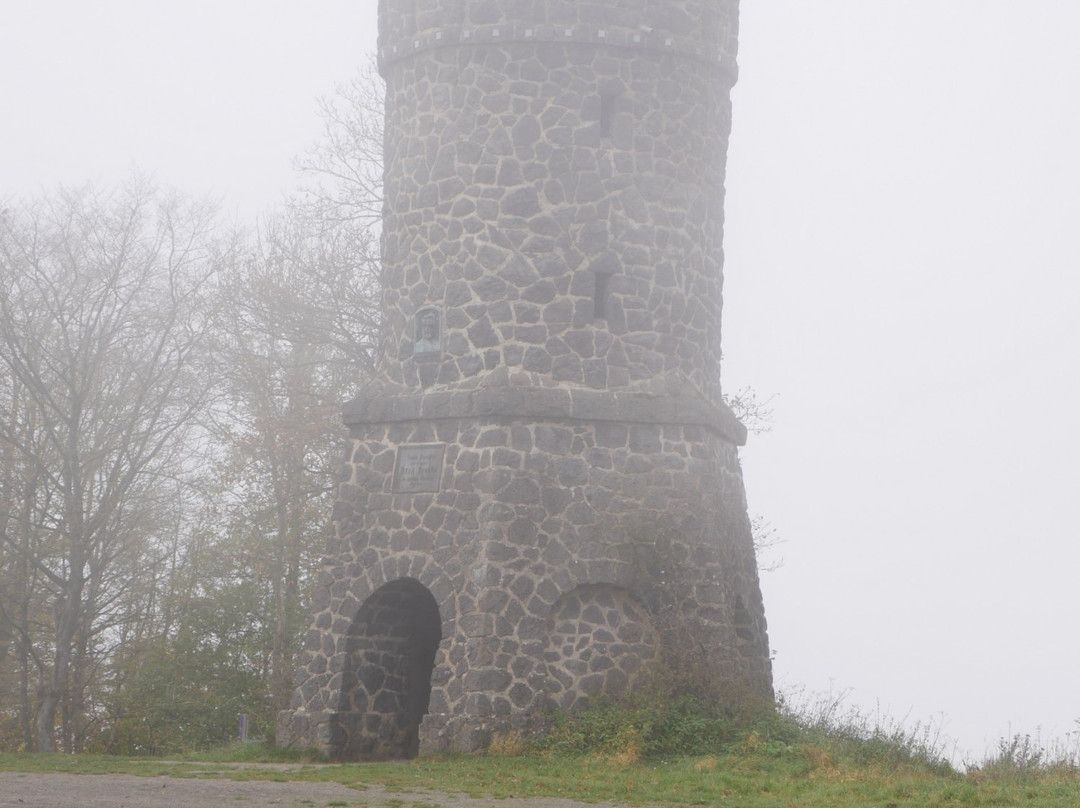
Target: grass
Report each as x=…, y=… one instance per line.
x=813, y=754
x=805, y=774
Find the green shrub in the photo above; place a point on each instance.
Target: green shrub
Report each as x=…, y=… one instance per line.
x=1026, y=757
x=822, y=732
x=671, y=713
x=850, y=735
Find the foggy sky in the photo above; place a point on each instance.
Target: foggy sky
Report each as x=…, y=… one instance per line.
x=902, y=273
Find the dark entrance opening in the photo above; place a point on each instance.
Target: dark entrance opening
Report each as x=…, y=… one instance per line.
x=386, y=680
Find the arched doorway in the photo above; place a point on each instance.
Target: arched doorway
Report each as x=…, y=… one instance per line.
x=386, y=679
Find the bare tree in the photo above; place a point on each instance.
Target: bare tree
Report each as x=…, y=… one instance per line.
x=753, y=411
x=301, y=336
x=127, y=338
x=298, y=337
x=102, y=329
x=756, y=414
x=343, y=170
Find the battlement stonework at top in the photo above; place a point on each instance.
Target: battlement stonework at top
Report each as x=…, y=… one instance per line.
x=706, y=27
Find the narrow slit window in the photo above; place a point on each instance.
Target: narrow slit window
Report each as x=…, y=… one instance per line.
x=600, y=294
x=607, y=113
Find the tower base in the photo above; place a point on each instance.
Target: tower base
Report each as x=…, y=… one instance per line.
x=572, y=542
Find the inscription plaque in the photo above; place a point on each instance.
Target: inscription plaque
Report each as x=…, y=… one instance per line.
x=418, y=469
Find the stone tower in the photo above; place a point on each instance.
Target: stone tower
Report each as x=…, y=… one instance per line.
x=543, y=494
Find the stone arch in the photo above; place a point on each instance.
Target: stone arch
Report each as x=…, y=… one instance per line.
x=600, y=638
x=386, y=675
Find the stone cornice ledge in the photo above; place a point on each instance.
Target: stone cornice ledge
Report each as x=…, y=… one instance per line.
x=546, y=404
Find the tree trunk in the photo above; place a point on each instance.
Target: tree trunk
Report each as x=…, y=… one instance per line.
x=56, y=684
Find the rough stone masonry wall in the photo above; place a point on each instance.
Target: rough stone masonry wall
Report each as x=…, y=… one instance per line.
x=554, y=206
x=523, y=162
x=623, y=518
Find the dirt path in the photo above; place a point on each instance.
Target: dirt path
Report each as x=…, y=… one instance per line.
x=126, y=791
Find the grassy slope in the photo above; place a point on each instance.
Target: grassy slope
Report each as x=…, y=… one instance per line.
x=660, y=749
x=802, y=776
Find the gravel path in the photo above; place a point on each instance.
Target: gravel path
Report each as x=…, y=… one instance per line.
x=126, y=791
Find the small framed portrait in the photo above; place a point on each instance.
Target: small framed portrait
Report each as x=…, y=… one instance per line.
x=427, y=332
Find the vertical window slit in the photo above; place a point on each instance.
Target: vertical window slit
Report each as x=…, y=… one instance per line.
x=600, y=294
x=607, y=113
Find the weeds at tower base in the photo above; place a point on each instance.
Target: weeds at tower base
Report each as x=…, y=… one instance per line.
x=680, y=704
x=817, y=735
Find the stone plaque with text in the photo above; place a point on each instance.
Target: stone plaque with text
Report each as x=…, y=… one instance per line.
x=418, y=468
